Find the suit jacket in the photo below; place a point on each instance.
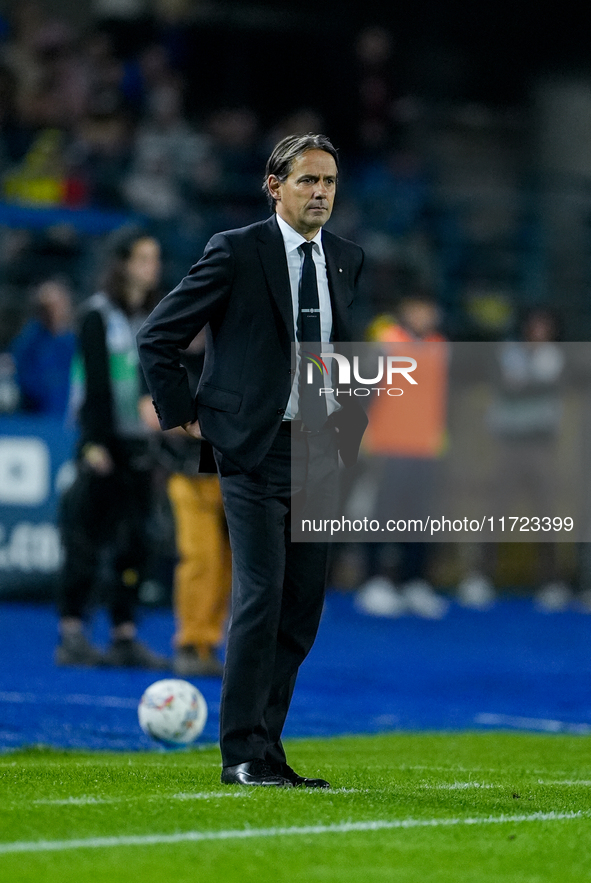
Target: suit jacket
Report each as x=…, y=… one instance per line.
x=240, y=289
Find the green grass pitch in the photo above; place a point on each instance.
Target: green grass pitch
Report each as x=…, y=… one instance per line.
x=434, y=808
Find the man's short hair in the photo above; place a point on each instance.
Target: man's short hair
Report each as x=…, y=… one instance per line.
x=285, y=153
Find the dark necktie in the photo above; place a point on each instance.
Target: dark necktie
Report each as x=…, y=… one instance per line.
x=312, y=403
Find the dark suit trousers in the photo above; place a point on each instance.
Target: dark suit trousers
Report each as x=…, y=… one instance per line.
x=278, y=588
x=100, y=513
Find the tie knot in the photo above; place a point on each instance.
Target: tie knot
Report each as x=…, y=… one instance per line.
x=307, y=248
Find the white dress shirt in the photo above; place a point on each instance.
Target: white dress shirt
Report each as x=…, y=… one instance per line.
x=295, y=260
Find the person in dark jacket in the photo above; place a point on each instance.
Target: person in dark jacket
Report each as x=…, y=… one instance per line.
x=257, y=290
x=105, y=510
x=43, y=352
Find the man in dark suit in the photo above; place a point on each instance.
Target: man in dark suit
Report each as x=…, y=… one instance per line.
x=257, y=290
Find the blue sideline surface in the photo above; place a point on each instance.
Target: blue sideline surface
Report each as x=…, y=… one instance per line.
x=509, y=667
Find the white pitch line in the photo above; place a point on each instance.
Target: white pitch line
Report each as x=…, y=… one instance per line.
x=459, y=770
x=249, y=833
x=531, y=723
x=90, y=800
x=75, y=801
x=68, y=699
x=455, y=768
x=460, y=786
x=581, y=782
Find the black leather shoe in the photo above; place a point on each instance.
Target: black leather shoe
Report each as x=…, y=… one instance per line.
x=253, y=772
x=301, y=781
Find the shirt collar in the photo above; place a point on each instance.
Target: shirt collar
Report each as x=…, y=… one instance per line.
x=293, y=239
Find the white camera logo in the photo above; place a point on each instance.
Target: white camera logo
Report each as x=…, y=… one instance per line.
x=24, y=471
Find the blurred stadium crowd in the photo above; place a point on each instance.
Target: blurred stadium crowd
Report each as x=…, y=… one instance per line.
x=164, y=113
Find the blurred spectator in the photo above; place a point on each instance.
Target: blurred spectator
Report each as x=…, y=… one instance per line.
x=165, y=152
x=125, y=21
x=100, y=155
x=105, y=73
x=396, y=188
x=43, y=352
x=106, y=508
x=305, y=119
x=19, y=52
x=14, y=138
x=155, y=75
x=40, y=177
x=376, y=86
x=9, y=392
x=394, y=195
x=525, y=418
x=172, y=21
x=43, y=56
x=203, y=574
x=228, y=177
x=407, y=441
x=59, y=96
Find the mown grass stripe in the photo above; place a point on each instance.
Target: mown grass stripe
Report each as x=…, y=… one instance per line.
x=248, y=833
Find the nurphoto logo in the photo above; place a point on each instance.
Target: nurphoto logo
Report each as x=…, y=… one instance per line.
x=388, y=368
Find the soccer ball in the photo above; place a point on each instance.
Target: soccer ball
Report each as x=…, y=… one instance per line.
x=172, y=712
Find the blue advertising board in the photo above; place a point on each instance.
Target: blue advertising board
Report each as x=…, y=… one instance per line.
x=35, y=466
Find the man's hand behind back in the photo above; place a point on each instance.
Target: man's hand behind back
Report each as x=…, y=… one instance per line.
x=193, y=429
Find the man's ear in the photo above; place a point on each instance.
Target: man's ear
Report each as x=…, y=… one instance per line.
x=274, y=185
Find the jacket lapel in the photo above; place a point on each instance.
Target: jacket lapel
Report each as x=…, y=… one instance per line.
x=272, y=254
x=340, y=293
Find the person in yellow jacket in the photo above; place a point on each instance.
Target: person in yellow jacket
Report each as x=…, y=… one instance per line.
x=202, y=578
x=203, y=573
x=407, y=441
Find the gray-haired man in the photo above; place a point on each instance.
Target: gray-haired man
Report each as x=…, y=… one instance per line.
x=248, y=288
